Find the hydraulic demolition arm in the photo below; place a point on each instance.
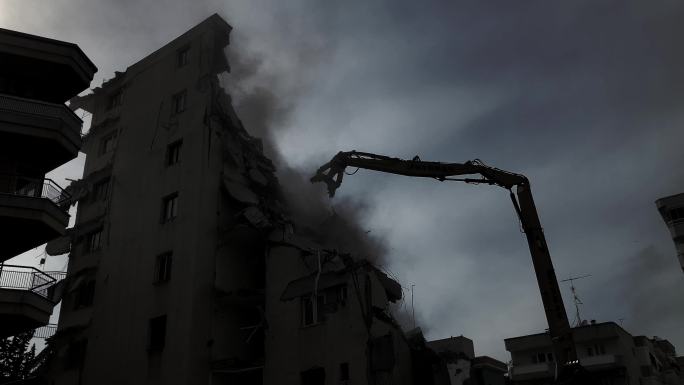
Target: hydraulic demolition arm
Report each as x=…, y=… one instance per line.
x=563, y=346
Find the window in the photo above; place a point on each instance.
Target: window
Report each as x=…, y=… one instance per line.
x=541, y=357
x=162, y=268
x=173, y=153
x=115, y=99
x=312, y=311
x=84, y=295
x=344, y=372
x=590, y=351
x=94, y=241
x=313, y=376
x=178, y=103
x=101, y=190
x=182, y=58
x=169, y=207
x=157, y=333
x=107, y=144
x=76, y=353
x=676, y=214
x=549, y=357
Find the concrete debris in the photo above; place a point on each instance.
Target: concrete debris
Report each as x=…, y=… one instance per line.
x=304, y=286
x=257, y=177
x=240, y=192
x=59, y=246
x=256, y=217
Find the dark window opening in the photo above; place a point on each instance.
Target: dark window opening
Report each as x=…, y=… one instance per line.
x=344, y=372
x=590, y=351
x=312, y=311
x=115, y=99
x=541, y=357
x=676, y=214
x=173, y=152
x=157, y=333
x=94, y=241
x=84, y=295
x=169, y=207
x=76, y=353
x=313, y=376
x=162, y=269
x=182, y=58
x=179, y=101
x=101, y=190
x=108, y=143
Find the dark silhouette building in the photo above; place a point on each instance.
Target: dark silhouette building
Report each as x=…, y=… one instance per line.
x=671, y=208
x=38, y=133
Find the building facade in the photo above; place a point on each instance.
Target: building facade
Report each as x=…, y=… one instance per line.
x=609, y=353
x=672, y=210
x=38, y=133
x=463, y=367
x=328, y=319
x=162, y=250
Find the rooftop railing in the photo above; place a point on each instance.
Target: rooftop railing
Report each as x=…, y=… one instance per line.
x=38, y=188
x=28, y=278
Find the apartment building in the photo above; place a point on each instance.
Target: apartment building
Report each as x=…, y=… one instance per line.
x=609, y=353
x=38, y=133
x=328, y=319
x=163, y=246
x=671, y=208
x=464, y=368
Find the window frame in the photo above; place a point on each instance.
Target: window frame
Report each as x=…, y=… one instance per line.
x=317, y=306
x=173, y=150
x=163, y=266
x=183, y=57
x=156, y=339
x=84, y=296
x=101, y=189
x=167, y=216
x=94, y=241
x=115, y=99
x=108, y=138
x=176, y=99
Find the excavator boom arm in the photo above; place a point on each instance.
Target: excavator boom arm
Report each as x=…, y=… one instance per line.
x=333, y=172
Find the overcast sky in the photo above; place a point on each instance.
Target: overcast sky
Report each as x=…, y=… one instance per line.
x=583, y=97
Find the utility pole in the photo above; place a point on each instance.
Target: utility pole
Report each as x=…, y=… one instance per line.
x=575, y=298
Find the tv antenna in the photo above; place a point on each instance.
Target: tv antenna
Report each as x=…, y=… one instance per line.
x=575, y=297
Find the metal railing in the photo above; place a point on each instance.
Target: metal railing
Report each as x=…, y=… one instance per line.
x=28, y=278
x=46, y=331
x=39, y=188
x=37, y=107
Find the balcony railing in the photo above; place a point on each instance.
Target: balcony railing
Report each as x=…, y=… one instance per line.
x=28, y=278
x=36, y=107
x=46, y=331
x=32, y=187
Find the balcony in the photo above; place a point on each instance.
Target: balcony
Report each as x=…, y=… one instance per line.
x=42, y=68
x=42, y=135
x=27, y=297
x=533, y=371
x=601, y=362
x=32, y=212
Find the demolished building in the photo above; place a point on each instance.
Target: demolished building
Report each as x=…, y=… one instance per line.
x=329, y=319
x=183, y=264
